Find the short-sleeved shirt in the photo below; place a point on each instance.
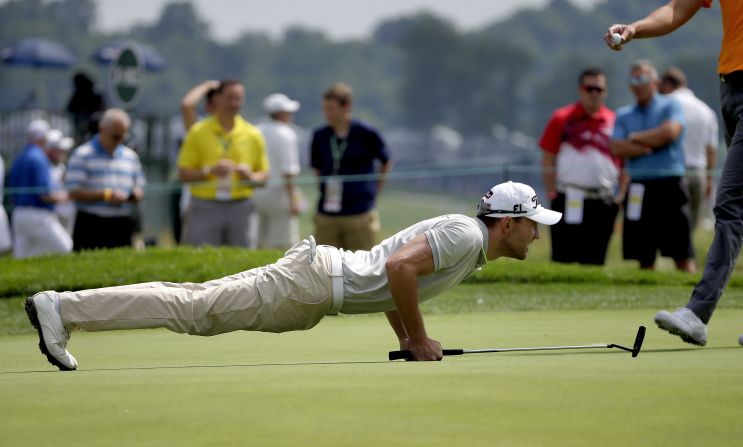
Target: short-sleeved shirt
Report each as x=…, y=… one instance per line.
x=91, y=167
x=581, y=144
x=206, y=143
x=731, y=54
x=363, y=145
x=282, y=147
x=701, y=128
x=31, y=170
x=2, y=179
x=666, y=161
x=458, y=244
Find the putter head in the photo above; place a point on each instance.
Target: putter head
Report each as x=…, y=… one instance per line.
x=638, y=341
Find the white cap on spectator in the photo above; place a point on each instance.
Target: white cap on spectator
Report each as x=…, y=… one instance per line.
x=37, y=129
x=279, y=102
x=55, y=139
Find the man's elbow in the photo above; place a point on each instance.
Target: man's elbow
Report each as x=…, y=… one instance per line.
x=396, y=265
x=183, y=175
x=615, y=148
x=673, y=131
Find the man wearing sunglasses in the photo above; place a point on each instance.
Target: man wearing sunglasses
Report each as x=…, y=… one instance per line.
x=690, y=322
x=106, y=180
x=648, y=135
x=581, y=173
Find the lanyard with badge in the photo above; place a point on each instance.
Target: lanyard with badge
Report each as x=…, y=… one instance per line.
x=334, y=184
x=224, y=184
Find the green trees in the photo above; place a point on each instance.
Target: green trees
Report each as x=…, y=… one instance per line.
x=416, y=71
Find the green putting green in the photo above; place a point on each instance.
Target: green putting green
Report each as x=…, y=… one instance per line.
x=332, y=386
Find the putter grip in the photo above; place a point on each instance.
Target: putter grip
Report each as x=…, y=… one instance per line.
x=398, y=355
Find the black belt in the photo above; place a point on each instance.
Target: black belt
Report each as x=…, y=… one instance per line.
x=735, y=77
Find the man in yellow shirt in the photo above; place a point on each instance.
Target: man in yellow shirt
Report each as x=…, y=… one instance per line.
x=223, y=157
x=690, y=322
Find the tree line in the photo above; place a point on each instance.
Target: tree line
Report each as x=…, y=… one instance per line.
x=415, y=71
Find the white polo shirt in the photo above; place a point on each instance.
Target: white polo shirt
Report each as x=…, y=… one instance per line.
x=458, y=243
x=701, y=128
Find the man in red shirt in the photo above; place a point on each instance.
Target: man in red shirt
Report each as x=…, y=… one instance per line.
x=581, y=174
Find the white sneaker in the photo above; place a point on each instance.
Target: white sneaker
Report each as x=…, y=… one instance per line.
x=740, y=340
x=53, y=337
x=684, y=323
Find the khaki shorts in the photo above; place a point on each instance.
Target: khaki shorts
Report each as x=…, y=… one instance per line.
x=356, y=232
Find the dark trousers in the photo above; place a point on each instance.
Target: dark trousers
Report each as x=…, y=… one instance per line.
x=586, y=242
x=728, y=208
x=92, y=231
x=664, y=223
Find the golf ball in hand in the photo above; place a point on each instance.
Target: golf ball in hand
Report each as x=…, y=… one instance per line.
x=616, y=39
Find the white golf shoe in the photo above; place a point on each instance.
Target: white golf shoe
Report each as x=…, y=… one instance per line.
x=53, y=336
x=684, y=323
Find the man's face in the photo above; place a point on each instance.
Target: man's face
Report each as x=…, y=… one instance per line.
x=665, y=87
x=523, y=232
x=642, y=84
x=333, y=110
x=56, y=156
x=230, y=101
x=113, y=134
x=592, y=92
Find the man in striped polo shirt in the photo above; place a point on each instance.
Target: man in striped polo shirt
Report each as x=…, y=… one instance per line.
x=105, y=178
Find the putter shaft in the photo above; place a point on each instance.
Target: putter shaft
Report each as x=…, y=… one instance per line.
x=635, y=350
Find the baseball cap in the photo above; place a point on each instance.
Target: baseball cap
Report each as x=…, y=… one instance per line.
x=37, y=129
x=279, y=102
x=55, y=139
x=516, y=200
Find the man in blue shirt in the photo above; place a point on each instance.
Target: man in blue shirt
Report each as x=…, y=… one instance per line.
x=648, y=136
x=36, y=228
x=346, y=216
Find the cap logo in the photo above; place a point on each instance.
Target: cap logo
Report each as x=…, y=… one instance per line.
x=535, y=201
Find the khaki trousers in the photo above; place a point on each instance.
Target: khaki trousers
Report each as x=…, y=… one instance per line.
x=355, y=232
x=292, y=294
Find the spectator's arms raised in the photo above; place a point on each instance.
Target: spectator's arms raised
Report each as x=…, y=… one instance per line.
x=190, y=102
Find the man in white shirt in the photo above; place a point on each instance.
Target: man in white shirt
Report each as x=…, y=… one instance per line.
x=279, y=203
x=58, y=147
x=700, y=140
x=6, y=242
x=310, y=281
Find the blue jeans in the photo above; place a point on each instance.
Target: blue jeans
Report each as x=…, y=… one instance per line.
x=728, y=210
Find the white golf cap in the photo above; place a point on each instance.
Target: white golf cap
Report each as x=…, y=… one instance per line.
x=55, y=139
x=516, y=200
x=279, y=102
x=37, y=129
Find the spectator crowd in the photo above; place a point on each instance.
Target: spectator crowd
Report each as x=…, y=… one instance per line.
x=651, y=162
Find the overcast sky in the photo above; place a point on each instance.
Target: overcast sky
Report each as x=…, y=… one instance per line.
x=340, y=19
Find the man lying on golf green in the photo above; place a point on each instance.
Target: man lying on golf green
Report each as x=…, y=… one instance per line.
x=310, y=281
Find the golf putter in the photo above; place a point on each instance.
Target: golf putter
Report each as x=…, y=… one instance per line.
x=635, y=350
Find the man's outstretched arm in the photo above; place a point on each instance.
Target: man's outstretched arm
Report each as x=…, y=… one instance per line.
x=662, y=21
x=403, y=268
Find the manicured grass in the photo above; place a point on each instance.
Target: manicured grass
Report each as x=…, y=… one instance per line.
x=332, y=386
